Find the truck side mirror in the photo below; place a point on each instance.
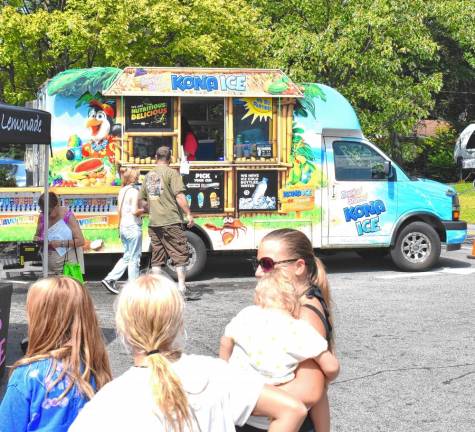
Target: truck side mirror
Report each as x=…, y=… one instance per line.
x=387, y=169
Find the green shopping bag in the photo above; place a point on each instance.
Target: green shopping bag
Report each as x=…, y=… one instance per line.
x=73, y=270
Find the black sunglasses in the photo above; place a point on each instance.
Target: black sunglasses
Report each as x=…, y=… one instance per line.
x=267, y=264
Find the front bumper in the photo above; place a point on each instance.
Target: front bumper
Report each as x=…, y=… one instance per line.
x=456, y=233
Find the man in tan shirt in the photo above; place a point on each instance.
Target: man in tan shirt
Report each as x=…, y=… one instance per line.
x=163, y=191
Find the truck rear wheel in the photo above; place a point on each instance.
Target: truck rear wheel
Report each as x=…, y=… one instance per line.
x=198, y=256
x=417, y=247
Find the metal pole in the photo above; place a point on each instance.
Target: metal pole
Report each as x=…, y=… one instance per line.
x=46, y=214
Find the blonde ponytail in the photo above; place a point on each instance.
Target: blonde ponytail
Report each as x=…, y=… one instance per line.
x=169, y=394
x=149, y=318
x=321, y=281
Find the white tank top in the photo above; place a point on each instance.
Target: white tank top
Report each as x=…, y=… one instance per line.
x=128, y=204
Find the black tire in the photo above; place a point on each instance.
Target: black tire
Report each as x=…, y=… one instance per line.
x=417, y=247
x=198, y=256
x=373, y=254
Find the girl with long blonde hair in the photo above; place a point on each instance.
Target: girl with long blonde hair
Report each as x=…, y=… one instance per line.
x=65, y=363
x=167, y=390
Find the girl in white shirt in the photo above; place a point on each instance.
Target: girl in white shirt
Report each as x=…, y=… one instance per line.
x=130, y=230
x=169, y=391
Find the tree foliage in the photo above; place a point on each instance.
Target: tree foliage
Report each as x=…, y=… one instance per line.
x=39, y=39
x=396, y=61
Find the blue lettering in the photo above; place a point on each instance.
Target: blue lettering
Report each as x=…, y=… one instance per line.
x=212, y=83
x=200, y=83
x=188, y=83
x=359, y=228
x=368, y=226
x=380, y=207
x=241, y=83
x=364, y=210
x=222, y=80
x=350, y=214
x=208, y=82
x=177, y=82
x=375, y=225
x=231, y=82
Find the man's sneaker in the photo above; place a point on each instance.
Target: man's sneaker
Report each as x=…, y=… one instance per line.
x=111, y=286
x=190, y=294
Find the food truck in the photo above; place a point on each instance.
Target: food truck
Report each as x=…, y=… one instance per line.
x=271, y=154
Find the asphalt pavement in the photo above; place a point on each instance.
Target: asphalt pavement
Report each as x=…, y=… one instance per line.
x=405, y=340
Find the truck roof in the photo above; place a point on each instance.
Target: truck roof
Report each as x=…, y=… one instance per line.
x=329, y=110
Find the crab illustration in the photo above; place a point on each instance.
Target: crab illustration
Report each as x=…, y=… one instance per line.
x=230, y=229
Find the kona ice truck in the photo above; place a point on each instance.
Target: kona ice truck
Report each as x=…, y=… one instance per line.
x=271, y=154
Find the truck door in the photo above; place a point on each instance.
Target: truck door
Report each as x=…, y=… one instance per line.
x=362, y=198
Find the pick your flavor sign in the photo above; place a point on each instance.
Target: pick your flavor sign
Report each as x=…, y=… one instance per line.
x=257, y=190
x=205, y=191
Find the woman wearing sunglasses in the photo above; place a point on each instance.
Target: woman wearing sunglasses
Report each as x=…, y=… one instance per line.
x=291, y=252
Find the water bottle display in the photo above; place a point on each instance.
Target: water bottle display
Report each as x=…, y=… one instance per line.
x=257, y=190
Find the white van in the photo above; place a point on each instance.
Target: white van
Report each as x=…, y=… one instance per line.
x=464, y=152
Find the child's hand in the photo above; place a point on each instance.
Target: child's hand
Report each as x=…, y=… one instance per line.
x=329, y=365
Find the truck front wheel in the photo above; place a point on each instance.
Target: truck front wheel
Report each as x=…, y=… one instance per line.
x=198, y=256
x=417, y=247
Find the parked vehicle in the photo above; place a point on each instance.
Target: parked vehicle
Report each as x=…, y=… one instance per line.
x=14, y=169
x=464, y=152
x=278, y=154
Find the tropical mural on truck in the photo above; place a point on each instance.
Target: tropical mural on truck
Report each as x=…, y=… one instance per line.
x=86, y=155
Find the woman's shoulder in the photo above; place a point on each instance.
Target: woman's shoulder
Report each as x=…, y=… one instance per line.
x=308, y=313
x=65, y=213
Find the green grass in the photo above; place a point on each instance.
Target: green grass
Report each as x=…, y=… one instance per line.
x=466, y=193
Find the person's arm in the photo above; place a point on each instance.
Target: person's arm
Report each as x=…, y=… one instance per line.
x=137, y=209
x=77, y=233
x=286, y=413
x=143, y=197
x=226, y=347
x=329, y=365
x=183, y=203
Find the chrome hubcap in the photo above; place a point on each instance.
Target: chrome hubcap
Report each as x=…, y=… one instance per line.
x=416, y=247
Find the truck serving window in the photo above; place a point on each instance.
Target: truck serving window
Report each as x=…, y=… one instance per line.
x=356, y=161
x=206, y=119
x=252, y=129
x=146, y=147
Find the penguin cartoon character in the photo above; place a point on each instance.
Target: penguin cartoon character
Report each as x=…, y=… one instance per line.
x=99, y=122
